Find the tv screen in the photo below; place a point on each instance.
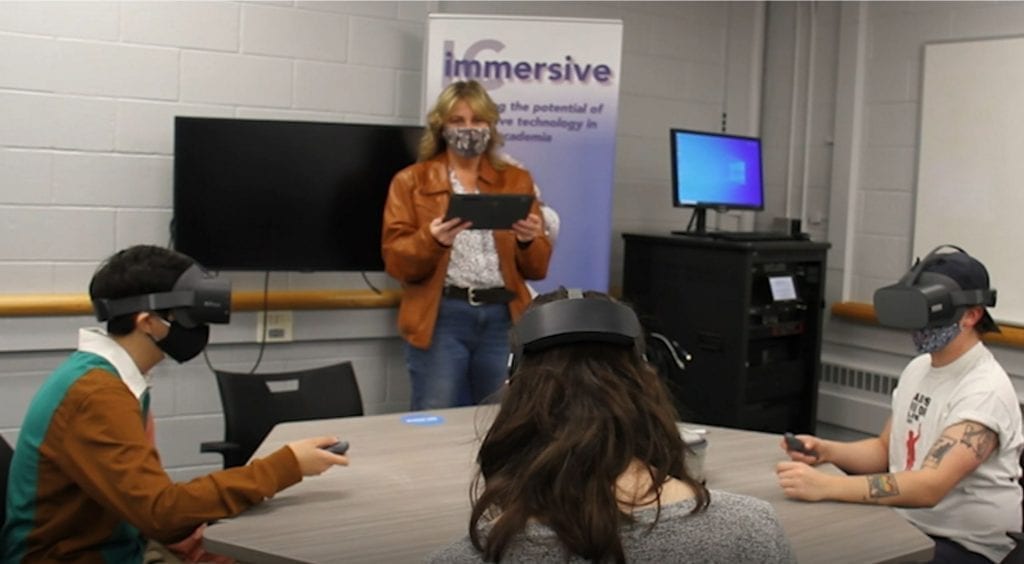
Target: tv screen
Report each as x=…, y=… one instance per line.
x=284, y=195
x=716, y=170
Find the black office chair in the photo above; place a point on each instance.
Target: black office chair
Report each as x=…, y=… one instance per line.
x=6, y=455
x=252, y=407
x=1016, y=556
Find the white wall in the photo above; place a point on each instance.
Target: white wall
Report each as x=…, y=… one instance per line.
x=684, y=64
x=868, y=151
x=88, y=91
x=798, y=113
x=969, y=162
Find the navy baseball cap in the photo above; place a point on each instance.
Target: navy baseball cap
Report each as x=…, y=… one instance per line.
x=969, y=274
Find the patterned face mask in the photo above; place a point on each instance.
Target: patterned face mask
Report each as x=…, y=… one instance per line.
x=467, y=141
x=933, y=339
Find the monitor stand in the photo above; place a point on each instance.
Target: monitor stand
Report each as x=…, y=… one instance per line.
x=700, y=214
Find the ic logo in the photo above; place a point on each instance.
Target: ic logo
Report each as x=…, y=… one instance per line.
x=468, y=67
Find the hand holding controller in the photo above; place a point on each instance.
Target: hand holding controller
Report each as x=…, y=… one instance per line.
x=312, y=454
x=340, y=447
x=793, y=443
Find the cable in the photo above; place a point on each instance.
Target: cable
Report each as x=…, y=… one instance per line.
x=679, y=356
x=808, y=103
x=206, y=352
x=370, y=284
x=263, y=337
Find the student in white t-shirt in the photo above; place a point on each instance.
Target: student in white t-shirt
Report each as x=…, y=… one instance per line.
x=949, y=455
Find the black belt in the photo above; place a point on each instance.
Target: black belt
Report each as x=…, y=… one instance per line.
x=478, y=296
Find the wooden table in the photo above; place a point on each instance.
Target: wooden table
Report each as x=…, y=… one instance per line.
x=406, y=494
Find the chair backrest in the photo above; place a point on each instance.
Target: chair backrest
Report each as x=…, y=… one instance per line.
x=254, y=403
x=6, y=455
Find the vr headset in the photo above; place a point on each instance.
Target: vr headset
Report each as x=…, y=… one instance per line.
x=924, y=299
x=196, y=298
x=574, y=320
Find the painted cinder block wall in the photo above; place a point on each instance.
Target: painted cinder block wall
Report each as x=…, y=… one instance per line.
x=88, y=92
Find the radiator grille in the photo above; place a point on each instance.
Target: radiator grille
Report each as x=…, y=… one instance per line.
x=847, y=377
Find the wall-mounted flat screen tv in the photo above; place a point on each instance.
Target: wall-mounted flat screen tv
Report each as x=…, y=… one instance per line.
x=284, y=195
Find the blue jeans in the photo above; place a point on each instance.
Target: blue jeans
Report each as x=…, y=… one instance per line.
x=467, y=362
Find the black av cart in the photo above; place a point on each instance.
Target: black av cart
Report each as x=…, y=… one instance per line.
x=750, y=314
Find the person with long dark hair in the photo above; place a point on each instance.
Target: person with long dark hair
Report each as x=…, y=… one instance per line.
x=584, y=462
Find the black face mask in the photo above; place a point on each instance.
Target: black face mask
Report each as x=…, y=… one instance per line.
x=184, y=344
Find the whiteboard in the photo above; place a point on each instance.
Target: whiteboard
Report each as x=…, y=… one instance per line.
x=970, y=174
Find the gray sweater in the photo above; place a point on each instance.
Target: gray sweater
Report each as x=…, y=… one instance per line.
x=733, y=529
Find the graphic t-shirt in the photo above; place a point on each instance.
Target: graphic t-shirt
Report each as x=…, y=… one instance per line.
x=979, y=510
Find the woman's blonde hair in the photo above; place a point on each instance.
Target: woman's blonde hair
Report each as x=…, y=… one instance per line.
x=432, y=143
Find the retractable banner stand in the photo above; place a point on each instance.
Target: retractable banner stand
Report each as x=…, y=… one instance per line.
x=556, y=83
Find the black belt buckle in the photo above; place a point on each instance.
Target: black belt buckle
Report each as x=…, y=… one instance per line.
x=479, y=296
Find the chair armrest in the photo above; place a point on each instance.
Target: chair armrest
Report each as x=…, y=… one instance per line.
x=219, y=446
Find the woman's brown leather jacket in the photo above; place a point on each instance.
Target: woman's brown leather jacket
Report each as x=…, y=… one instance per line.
x=420, y=193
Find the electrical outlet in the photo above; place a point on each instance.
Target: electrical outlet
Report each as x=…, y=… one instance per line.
x=278, y=326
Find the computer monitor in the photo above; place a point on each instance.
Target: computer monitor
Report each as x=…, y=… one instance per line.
x=717, y=171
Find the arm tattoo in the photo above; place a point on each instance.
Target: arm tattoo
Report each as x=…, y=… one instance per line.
x=939, y=451
x=882, y=485
x=980, y=439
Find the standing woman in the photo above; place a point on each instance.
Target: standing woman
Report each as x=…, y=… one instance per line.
x=462, y=287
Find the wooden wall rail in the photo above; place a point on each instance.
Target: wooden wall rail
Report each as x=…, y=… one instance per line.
x=32, y=305
x=1011, y=335
x=27, y=305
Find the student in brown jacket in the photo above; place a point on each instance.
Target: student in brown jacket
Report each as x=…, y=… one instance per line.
x=86, y=483
x=462, y=287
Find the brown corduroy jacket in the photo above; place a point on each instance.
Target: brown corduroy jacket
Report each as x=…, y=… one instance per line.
x=420, y=193
x=96, y=471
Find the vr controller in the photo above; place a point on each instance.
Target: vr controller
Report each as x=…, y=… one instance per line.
x=340, y=447
x=793, y=443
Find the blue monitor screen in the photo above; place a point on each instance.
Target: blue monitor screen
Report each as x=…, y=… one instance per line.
x=715, y=170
